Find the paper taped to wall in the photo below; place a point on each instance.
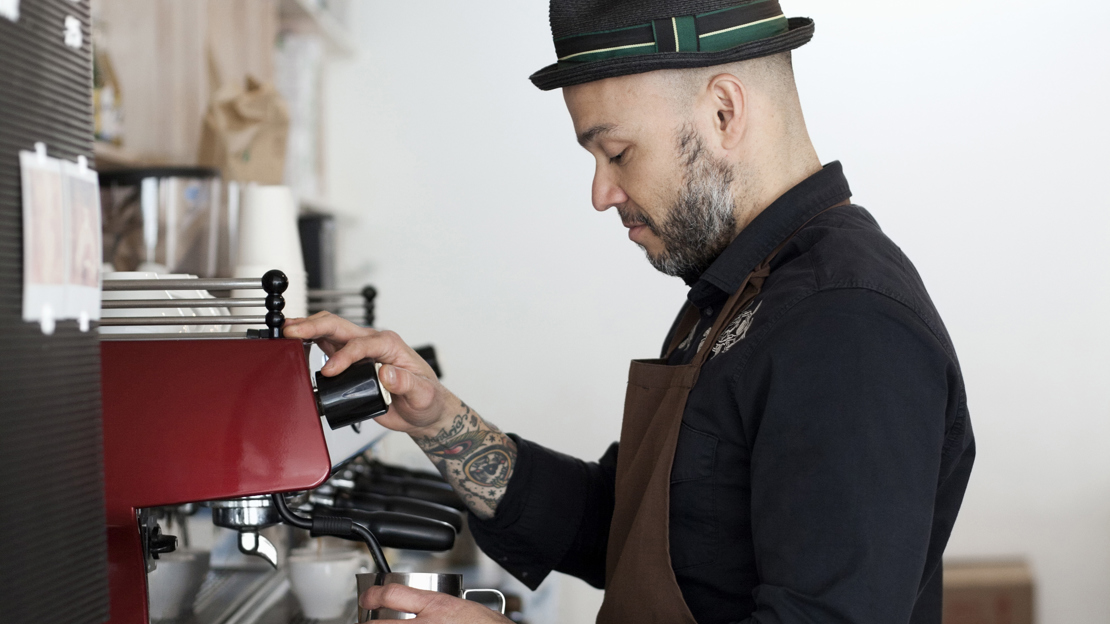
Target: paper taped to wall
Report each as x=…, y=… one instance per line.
x=61, y=240
x=10, y=9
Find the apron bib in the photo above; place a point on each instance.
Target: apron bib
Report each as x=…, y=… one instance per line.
x=640, y=585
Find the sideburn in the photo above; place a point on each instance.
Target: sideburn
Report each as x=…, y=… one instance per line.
x=701, y=222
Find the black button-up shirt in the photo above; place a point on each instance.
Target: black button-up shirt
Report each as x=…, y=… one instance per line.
x=824, y=450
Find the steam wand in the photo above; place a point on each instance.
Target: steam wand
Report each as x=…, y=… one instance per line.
x=334, y=526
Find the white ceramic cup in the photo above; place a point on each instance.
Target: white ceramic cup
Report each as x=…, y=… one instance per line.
x=323, y=581
x=175, y=581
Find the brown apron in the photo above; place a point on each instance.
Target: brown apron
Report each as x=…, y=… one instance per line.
x=640, y=584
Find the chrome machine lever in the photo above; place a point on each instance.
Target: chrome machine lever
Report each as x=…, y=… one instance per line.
x=251, y=543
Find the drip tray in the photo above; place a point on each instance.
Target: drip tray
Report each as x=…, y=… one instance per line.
x=251, y=597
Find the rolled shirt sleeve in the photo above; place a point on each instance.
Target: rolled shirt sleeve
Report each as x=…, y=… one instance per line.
x=846, y=400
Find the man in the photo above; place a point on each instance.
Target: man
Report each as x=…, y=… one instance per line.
x=801, y=451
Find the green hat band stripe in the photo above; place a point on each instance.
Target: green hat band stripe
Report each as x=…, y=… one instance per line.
x=604, y=53
x=707, y=32
x=737, y=35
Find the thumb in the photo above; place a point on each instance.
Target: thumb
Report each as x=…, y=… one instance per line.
x=397, y=597
x=418, y=391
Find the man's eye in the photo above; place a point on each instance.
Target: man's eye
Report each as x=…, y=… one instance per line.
x=616, y=160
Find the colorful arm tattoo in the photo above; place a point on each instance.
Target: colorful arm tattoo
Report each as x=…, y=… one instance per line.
x=475, y=458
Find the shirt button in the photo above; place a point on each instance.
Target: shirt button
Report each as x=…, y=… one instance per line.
x=709, y=311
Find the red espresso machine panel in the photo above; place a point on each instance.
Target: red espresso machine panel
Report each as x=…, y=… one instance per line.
x=198, y=420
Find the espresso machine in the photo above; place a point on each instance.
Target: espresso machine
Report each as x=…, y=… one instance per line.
x=230, y=421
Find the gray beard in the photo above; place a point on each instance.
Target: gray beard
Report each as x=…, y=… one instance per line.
x=701, y=222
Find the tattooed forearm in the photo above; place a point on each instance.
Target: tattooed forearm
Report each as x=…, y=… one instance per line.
x=475, y=458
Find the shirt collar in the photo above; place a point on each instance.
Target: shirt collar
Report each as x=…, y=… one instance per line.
x=769, y=228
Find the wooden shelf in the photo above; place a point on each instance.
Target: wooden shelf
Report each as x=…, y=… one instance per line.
x=109, y=156
x=305, y=14
x=321, y=205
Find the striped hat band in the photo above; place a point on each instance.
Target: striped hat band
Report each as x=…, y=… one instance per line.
x=707, y=32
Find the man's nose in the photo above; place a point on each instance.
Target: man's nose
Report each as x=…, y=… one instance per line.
x=606, y=192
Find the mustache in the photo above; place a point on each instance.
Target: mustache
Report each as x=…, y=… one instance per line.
x=631, y=217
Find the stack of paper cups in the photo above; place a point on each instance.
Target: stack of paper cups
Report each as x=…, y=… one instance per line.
x=269, y=239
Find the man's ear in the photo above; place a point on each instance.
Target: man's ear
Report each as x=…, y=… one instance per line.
x=728, y=101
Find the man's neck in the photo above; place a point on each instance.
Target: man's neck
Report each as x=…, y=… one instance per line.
x=774, y=177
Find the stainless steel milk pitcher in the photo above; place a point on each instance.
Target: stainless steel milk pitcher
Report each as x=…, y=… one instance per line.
x=446, y=583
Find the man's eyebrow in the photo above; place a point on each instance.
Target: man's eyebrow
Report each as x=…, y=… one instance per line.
x=588, y=136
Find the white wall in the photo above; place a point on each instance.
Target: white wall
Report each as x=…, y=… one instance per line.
x=974, y=131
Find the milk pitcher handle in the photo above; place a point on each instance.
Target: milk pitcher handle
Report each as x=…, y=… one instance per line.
x=487, y=591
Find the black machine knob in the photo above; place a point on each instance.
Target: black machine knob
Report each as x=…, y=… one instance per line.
x=368, y=295
x=159, y=543
x=428, y=352
x=438, y=492
x=274, y=283
x=375, y=467
x=411, y=506
x=352, y=396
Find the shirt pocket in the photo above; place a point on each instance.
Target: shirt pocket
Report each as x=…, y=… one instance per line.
x=694, y=526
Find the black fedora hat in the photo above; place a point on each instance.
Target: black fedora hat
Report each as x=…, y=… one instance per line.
x=596, y=39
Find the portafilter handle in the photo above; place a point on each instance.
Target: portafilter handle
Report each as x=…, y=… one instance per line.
x=248, y=515
x=400, y=504
x=398, y=530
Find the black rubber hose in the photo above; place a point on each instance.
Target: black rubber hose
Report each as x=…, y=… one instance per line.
x=326, y=526
x=287, y=515
x=375, y=548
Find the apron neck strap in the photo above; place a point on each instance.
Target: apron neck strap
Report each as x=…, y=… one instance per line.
x=749, y=289
x=688, y=324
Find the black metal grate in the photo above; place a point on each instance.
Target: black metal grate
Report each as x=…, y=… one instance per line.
x=52, y=532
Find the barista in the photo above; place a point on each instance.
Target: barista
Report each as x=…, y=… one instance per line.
x=800, y=450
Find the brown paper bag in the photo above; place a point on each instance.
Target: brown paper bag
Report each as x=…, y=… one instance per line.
x=245, y=133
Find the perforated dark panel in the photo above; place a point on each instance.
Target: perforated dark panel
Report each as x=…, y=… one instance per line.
x=53, y=563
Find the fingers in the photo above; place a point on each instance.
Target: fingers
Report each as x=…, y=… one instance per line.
x=399, y=380
x=346, y=343
x=376, y=347
x=385, y=347
x=417, y=391
x=323, y=325
x=328, y=347
x=404, y=373
x=399, y=598
x=429, y=606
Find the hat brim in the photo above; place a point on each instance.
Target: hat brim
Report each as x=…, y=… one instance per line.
x=800, y=31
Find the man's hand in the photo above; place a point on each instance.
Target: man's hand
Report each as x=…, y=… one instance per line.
x=475, y=457
x=430, y=607
x=419, y=400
